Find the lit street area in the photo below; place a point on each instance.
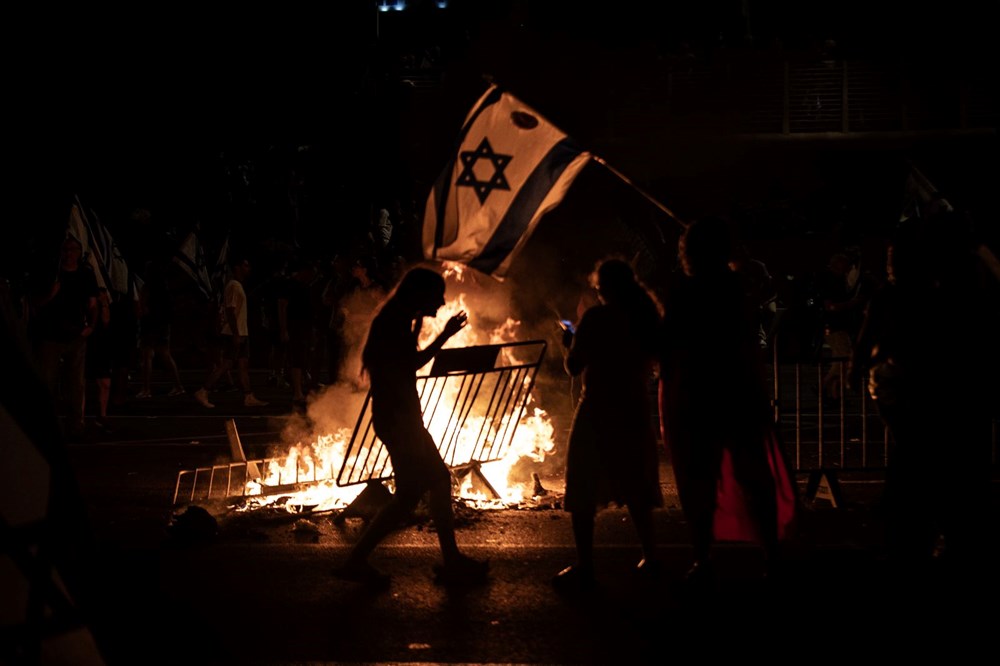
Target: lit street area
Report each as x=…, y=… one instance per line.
x=205, y=583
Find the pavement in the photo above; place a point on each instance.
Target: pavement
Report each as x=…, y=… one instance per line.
x=255, y=588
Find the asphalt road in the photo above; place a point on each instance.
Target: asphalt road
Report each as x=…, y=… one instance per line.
x=258, y=589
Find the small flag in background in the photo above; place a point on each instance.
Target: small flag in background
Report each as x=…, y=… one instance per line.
x=108, y=254
x=920, y=197
x=101, y=251
x=220, y=272
x=190, y=257
x=511, y=167
x=79, y=228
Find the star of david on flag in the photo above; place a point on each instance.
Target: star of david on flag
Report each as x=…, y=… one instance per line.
x=511, y=167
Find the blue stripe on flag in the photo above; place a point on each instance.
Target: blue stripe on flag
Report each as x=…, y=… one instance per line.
x=525, y=204
x=443, y=185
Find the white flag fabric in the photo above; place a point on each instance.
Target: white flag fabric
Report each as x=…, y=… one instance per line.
x=920, y=197
x=511, y=167
x=108, y=254
x=100, y=249
x=220, y=272
x=78, y=228
x=190, y=257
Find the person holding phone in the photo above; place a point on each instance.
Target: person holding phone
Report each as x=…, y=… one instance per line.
x=612, y=456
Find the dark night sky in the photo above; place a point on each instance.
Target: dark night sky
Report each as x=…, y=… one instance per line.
x=134, y=106
x=211, y=79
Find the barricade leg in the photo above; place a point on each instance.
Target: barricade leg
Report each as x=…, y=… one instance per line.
x=823, y=484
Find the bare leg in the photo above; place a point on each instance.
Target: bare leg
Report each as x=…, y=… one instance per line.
x=580, y=576
x=216, y=373
x=168, y=360
x=457, y=567
x=244, y=373
x=439, y=500
x=147, y=369
x=385, y=521
x=643, y=520
x=103, y=395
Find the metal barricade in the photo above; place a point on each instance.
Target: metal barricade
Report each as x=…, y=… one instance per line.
x=230, y=480
x=842, y=431
x=839, y=433
x=472, y=400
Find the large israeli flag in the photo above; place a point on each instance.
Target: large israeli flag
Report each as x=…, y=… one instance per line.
x=511, y=167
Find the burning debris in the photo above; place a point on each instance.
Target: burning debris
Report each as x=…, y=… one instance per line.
x=539, y=490
x=478, y=405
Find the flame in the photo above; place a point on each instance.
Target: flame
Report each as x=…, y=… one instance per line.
x=315, y=465
x=532, y=441
x=453, y=270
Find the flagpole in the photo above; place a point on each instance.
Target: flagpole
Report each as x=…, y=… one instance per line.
x=670, y=213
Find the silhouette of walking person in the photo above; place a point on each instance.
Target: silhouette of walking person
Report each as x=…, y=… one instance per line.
x=235, y=334
x=65, y=314
x=155, y=320
x=929, y=335
x=391, y=358
x=714, y=412
x=612, y=454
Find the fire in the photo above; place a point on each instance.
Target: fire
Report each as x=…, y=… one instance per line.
x=453, y=271
x=532, y=440
x=310, y=470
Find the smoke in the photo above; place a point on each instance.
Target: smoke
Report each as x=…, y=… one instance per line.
x=337, y=407
x=496, y=315
x=358, y=308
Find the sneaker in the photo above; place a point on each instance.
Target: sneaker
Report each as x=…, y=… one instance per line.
x=177, y=390
x=251, y=401
x=142, y=395
x=201, y=395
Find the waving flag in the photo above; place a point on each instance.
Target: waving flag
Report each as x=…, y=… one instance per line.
x=190, y=257
x=101, y=251
x=77, y=229
x=220, y=272
x=920, y=197
x=511, y=167
x=108, y=254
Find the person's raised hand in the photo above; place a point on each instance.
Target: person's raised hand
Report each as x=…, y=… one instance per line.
x=567, y=338
x=456, y=323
